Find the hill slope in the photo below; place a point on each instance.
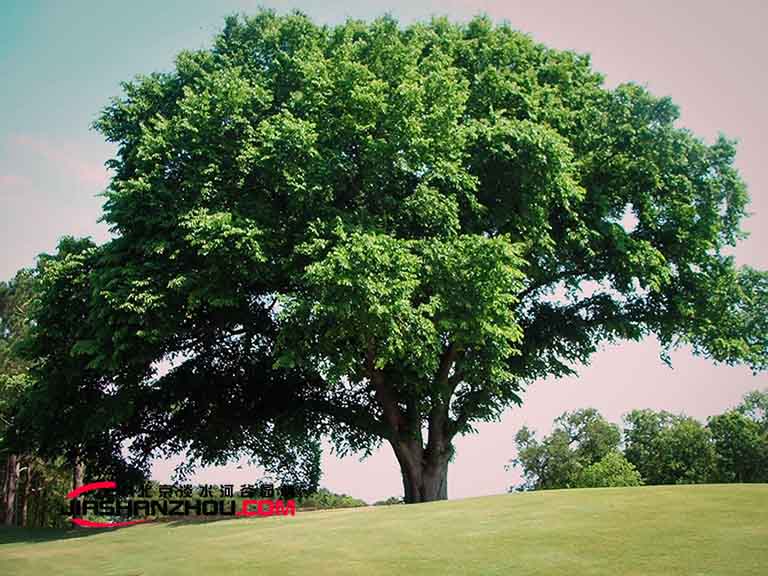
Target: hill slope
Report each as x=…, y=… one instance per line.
x=653, y=530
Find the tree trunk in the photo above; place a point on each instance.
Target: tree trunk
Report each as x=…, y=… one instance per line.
x=425, y=477
x=424, y=467
x=3, y=478
x=9, y=495
x=78, y=474
x=25, y=494
x=42, y=505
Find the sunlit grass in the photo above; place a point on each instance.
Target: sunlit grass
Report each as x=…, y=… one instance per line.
x=623, y=531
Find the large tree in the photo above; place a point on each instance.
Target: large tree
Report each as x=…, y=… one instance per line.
x=378, y=233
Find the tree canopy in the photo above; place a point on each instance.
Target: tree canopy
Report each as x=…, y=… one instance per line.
x=374, y=232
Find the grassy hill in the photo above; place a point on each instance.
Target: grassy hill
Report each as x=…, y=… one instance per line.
x=713, y=530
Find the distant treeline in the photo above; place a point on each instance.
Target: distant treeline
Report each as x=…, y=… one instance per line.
x=585, y=450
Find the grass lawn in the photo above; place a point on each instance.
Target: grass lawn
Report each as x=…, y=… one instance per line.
x=712, y=530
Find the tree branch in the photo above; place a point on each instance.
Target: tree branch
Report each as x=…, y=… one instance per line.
x=556, y=278
x=358, y=419
x=446, y=363
x=384, y=393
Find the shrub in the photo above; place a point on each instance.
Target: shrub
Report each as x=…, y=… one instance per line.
x=389, y=501
x=324, y=499
x=612, y=470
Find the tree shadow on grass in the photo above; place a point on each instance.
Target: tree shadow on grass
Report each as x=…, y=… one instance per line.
x=193, y=521
x=15, y=535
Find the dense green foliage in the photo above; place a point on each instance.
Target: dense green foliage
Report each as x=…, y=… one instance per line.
x=368, y=231
x=656, y=448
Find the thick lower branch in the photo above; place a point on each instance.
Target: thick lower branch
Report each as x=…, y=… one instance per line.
x=358, y=419
x=384, y=395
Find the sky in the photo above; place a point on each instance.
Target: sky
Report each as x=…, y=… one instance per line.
x=61, y=62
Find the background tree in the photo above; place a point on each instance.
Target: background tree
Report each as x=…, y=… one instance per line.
x=668, y=448
x=70, y=420
x=741, y=440
x=379, y=233
x=15, y=297
x=546, y=464
x=579, y=440
x=741, y=449
x=30, y=486
x=755, y=406
x=688, y=456
x=589, y=434
x=641, y=431
x=584, y=450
